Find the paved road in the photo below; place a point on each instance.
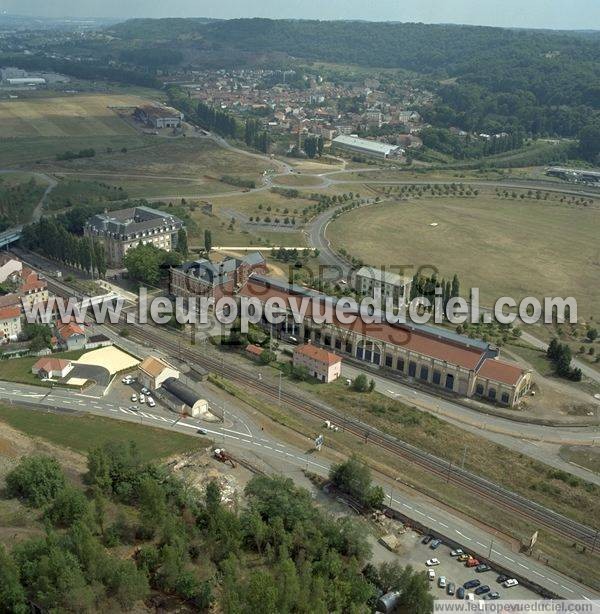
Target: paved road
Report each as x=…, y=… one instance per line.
x=239, y=433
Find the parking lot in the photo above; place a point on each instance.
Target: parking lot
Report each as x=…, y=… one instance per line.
x=416, y=554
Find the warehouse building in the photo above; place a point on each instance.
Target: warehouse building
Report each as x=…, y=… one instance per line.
x=354, y=144
x=159, y=116
x=182, y=399
x=425, y=354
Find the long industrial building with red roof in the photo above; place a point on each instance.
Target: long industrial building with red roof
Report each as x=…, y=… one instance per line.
x=422, y=353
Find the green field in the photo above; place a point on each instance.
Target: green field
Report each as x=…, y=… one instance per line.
x=19, y=369
x=87, y=432
x=505, y=247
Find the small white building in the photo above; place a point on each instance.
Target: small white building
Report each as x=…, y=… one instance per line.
x=321, y=364
x=52, y=368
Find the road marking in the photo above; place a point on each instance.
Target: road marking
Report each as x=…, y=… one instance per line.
x=537, y=573
x=246, y=441
x=442, y=524
x=432, y=519
x=481, y=544
x=553, y=581
x=566, y=588
x=420, y=512
x=509, y=559
x=523, y=566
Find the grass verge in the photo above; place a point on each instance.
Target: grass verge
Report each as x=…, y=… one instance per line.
x=83, y=433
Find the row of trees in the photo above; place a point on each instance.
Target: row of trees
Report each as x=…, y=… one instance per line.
x=221, y=122
x=313, y=146
x=255, y=136
x=17, y=202
x=560, y=354
x=50, y=238
x=280, y=553
x=426, y=286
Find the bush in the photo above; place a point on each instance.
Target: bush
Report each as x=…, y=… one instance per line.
x=361, y=383
x=69, y=506
x=37, y=480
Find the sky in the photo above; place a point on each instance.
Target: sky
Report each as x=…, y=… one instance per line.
x=557, y=14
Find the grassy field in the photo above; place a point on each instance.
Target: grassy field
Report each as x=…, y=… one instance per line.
x=65, y=116
x=505, y=247
x=87, y=432
x=172, y=159
x=583, y=456
x=19, y=369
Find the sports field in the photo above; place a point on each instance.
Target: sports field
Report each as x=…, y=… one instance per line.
x=505, y=247
x=91, y=115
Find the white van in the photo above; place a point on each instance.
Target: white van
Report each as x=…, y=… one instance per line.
x=431, y=574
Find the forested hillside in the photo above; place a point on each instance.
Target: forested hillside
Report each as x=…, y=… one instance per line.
x=490, y=79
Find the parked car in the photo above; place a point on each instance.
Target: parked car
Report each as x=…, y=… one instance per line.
x=471, y=583
x=133, y=407
x=451, y=588
x=460, y=593
x=510, y=582
x=151, y=402
x=492, y=595
x=432, y=562
x=134, y=397
x=472, y=562
x=145, y=390
x=457, y=552
x=431, y=574
x=435, y=544
x=201, y=431
x=426, y=539
x=501, y=578
x=463, y=557
x=126, y=380
x=482, y=567
x=442, y=581
x=142, y=398
x=482, y=589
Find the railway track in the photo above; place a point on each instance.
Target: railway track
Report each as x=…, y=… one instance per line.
x=489, y=491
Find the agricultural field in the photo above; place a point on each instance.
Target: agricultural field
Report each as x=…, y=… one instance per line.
x=506, y=247
x=64, y=116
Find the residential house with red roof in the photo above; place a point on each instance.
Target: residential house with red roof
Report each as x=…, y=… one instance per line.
x=10, y=323
x=52, y=368
x=320, y=363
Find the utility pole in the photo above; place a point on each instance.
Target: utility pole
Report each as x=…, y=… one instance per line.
x=449, y=469
x=491, y=545
x=279, y=391
x=464, y=457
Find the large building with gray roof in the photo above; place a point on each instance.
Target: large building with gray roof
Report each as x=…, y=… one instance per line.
x=126, y=228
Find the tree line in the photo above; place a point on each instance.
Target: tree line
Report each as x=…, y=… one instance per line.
x=50, y=238
x=136, y=531
x=560, y=355
x=256, y=136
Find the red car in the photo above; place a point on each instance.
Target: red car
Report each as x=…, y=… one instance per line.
x=472, y=562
